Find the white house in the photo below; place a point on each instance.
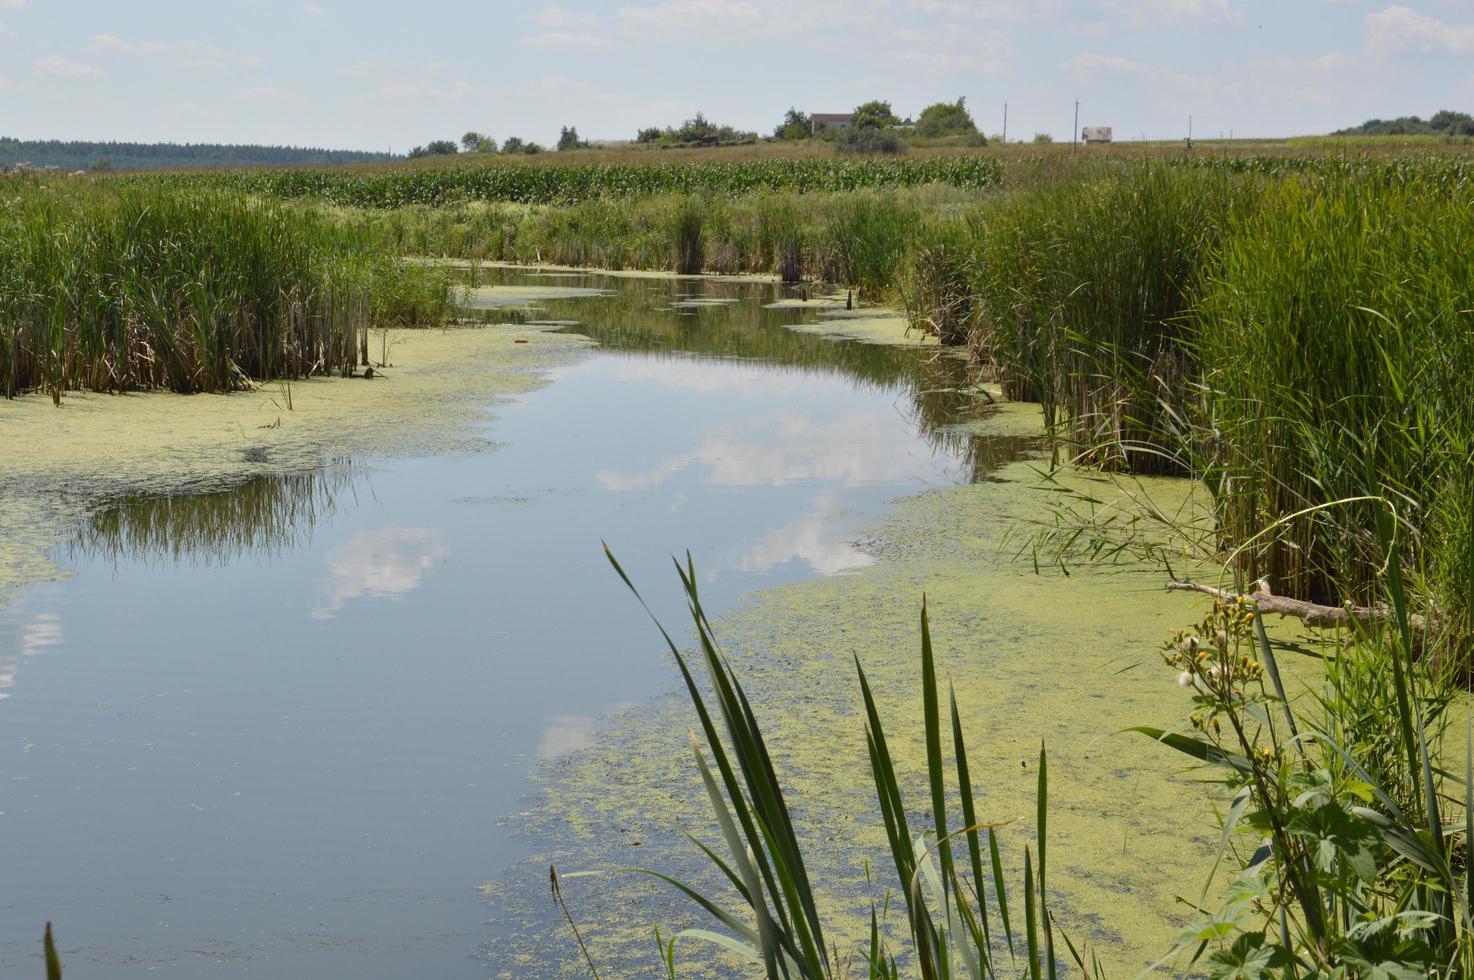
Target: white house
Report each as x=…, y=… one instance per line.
x=1096, y=134
x=821, y=122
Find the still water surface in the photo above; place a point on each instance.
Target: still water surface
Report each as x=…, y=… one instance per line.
x=270, y=731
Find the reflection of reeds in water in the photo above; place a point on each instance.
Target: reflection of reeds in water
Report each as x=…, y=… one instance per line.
x=640, y=315
x=264, y=516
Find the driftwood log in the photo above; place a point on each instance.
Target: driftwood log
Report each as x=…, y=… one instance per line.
x=1309, y=613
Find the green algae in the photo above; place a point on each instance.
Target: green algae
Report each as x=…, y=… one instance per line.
x=878, y=328
x=496, y=297
x=100, y=448
x=1066, y=660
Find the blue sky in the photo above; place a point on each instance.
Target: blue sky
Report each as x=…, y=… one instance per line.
x=373, y=75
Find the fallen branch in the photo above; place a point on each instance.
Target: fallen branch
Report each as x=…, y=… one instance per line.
x=1310, y=613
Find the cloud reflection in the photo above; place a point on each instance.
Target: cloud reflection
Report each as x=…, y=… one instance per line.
x=37, y=636
x=873, y=446
x=379, y=564
x=812, y=539
x=563, y=734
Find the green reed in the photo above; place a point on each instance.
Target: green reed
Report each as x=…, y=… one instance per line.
x=119, y=288
x=949, y=873
x=1336, y=331
x=1083, y=289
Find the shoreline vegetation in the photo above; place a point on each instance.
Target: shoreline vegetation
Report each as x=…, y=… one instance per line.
x=1289, y=331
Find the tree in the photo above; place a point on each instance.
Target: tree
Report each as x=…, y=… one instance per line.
x=650, y=134
x=515, y=144
x=435, y=148
x=1043, y=138
x=569, y=140
x=471, y=142
x=795, y=126
x=1452, y=123
x=868, y=139
x=874, y=115
x=945, y=119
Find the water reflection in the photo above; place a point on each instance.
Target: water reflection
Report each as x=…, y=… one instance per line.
x=810, y=539
x=262, y=516
x=936, y=386
x=379, y=564
x=39, y=634
x=777, y=449
x=563, y=734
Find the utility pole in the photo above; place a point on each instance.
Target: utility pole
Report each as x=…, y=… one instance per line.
x=1005, y=123
x=1075, y=136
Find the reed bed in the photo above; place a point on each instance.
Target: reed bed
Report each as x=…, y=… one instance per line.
x=112, y=288
x=1289, y=328
x=1336, y=330
x=1083, y=289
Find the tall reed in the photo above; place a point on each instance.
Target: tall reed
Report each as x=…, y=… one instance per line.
x=956, y=901
x=116, y=288
x=1336, y=333
x=1084, y=288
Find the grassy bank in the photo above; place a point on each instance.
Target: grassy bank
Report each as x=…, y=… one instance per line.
x=118, y=288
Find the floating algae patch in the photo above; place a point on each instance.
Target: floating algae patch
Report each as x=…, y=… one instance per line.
x=699, y=302
x=1064, y=660
x=547, y=269
x=100, y=448
x=868, y=328
x=496, y=297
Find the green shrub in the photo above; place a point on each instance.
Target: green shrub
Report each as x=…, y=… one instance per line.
x=865, y=139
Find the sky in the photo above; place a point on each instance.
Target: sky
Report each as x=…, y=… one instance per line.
x=377, y=75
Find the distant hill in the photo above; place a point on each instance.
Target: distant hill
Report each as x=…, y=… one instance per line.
x=1444, y=123
x=80, y=155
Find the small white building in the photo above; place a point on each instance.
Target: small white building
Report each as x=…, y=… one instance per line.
x=1096, y=134
x=822, y=122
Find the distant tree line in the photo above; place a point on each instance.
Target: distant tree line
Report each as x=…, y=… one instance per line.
x=481, y=144
x=696, y=131
x=1443, y=123
x=875, y=128
x=86, y=155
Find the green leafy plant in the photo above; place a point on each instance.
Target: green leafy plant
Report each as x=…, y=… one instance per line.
x=1354, y=866
x=956, y=900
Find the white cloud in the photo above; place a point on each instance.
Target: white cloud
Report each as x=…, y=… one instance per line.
x=564, y=40
x=185, y=54
x=413, y=88
x=267, y=93
x=1398, y=29
x=688, y=17
x=107, y=42
x=1011, y=10
x=313, y=10
x=13, y=4
x=558, y=19
x=1173, y=11
x=956, y=49
x=55, y=66
x=1095, y=65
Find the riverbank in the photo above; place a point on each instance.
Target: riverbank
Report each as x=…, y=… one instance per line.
x=97, y=448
